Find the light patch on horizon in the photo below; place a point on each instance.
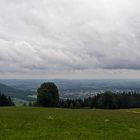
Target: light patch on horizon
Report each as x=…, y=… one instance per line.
x=69, y=39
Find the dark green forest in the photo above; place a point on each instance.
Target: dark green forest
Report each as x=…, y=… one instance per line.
x=106, y=100
x=6, y=101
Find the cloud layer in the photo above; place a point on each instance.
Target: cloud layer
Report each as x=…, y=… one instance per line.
x=50, y=37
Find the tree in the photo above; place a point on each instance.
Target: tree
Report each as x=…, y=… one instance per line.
x=48, y=95
x=11, y=103
x=107, y=100
x=5, y=101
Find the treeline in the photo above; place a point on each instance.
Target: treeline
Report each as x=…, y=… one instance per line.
x=5, y=101
x=48, y=96
x=107, y=100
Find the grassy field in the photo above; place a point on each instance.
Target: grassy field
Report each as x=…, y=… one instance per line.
x=17, y=123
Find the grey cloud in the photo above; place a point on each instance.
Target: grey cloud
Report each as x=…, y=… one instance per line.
x=67, y=36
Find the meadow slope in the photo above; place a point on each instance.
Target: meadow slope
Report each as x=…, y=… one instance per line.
x=18, y=123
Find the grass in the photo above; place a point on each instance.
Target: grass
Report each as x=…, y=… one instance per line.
x=18, y=123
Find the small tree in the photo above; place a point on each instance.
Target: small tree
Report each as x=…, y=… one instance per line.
x=5, y=101
x=48, y=95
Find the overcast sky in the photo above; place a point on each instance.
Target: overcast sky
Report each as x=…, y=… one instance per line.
x=70, y=39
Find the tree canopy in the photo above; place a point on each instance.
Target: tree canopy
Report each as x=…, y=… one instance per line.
x=106, y=100
x=48, y=95
x=5, y=101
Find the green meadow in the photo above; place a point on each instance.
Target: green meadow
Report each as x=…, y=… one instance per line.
x=26, y=123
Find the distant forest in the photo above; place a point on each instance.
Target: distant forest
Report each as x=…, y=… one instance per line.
x=48, y=96
x=107, y=100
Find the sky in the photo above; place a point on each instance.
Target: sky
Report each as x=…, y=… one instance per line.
x=74, y=39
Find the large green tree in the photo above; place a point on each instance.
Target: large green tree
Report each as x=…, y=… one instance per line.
x=48, y=95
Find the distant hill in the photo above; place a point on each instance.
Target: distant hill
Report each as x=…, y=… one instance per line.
x=74, y=89
x=16, y=93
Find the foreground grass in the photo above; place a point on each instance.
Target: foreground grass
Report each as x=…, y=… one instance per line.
x=19, y=123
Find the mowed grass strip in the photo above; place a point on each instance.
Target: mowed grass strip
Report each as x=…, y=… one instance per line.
x=18, y=123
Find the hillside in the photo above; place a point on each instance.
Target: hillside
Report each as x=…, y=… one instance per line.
x=17, y=123
x=15, y=93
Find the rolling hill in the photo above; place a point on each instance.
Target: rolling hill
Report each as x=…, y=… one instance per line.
x=16, y=93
